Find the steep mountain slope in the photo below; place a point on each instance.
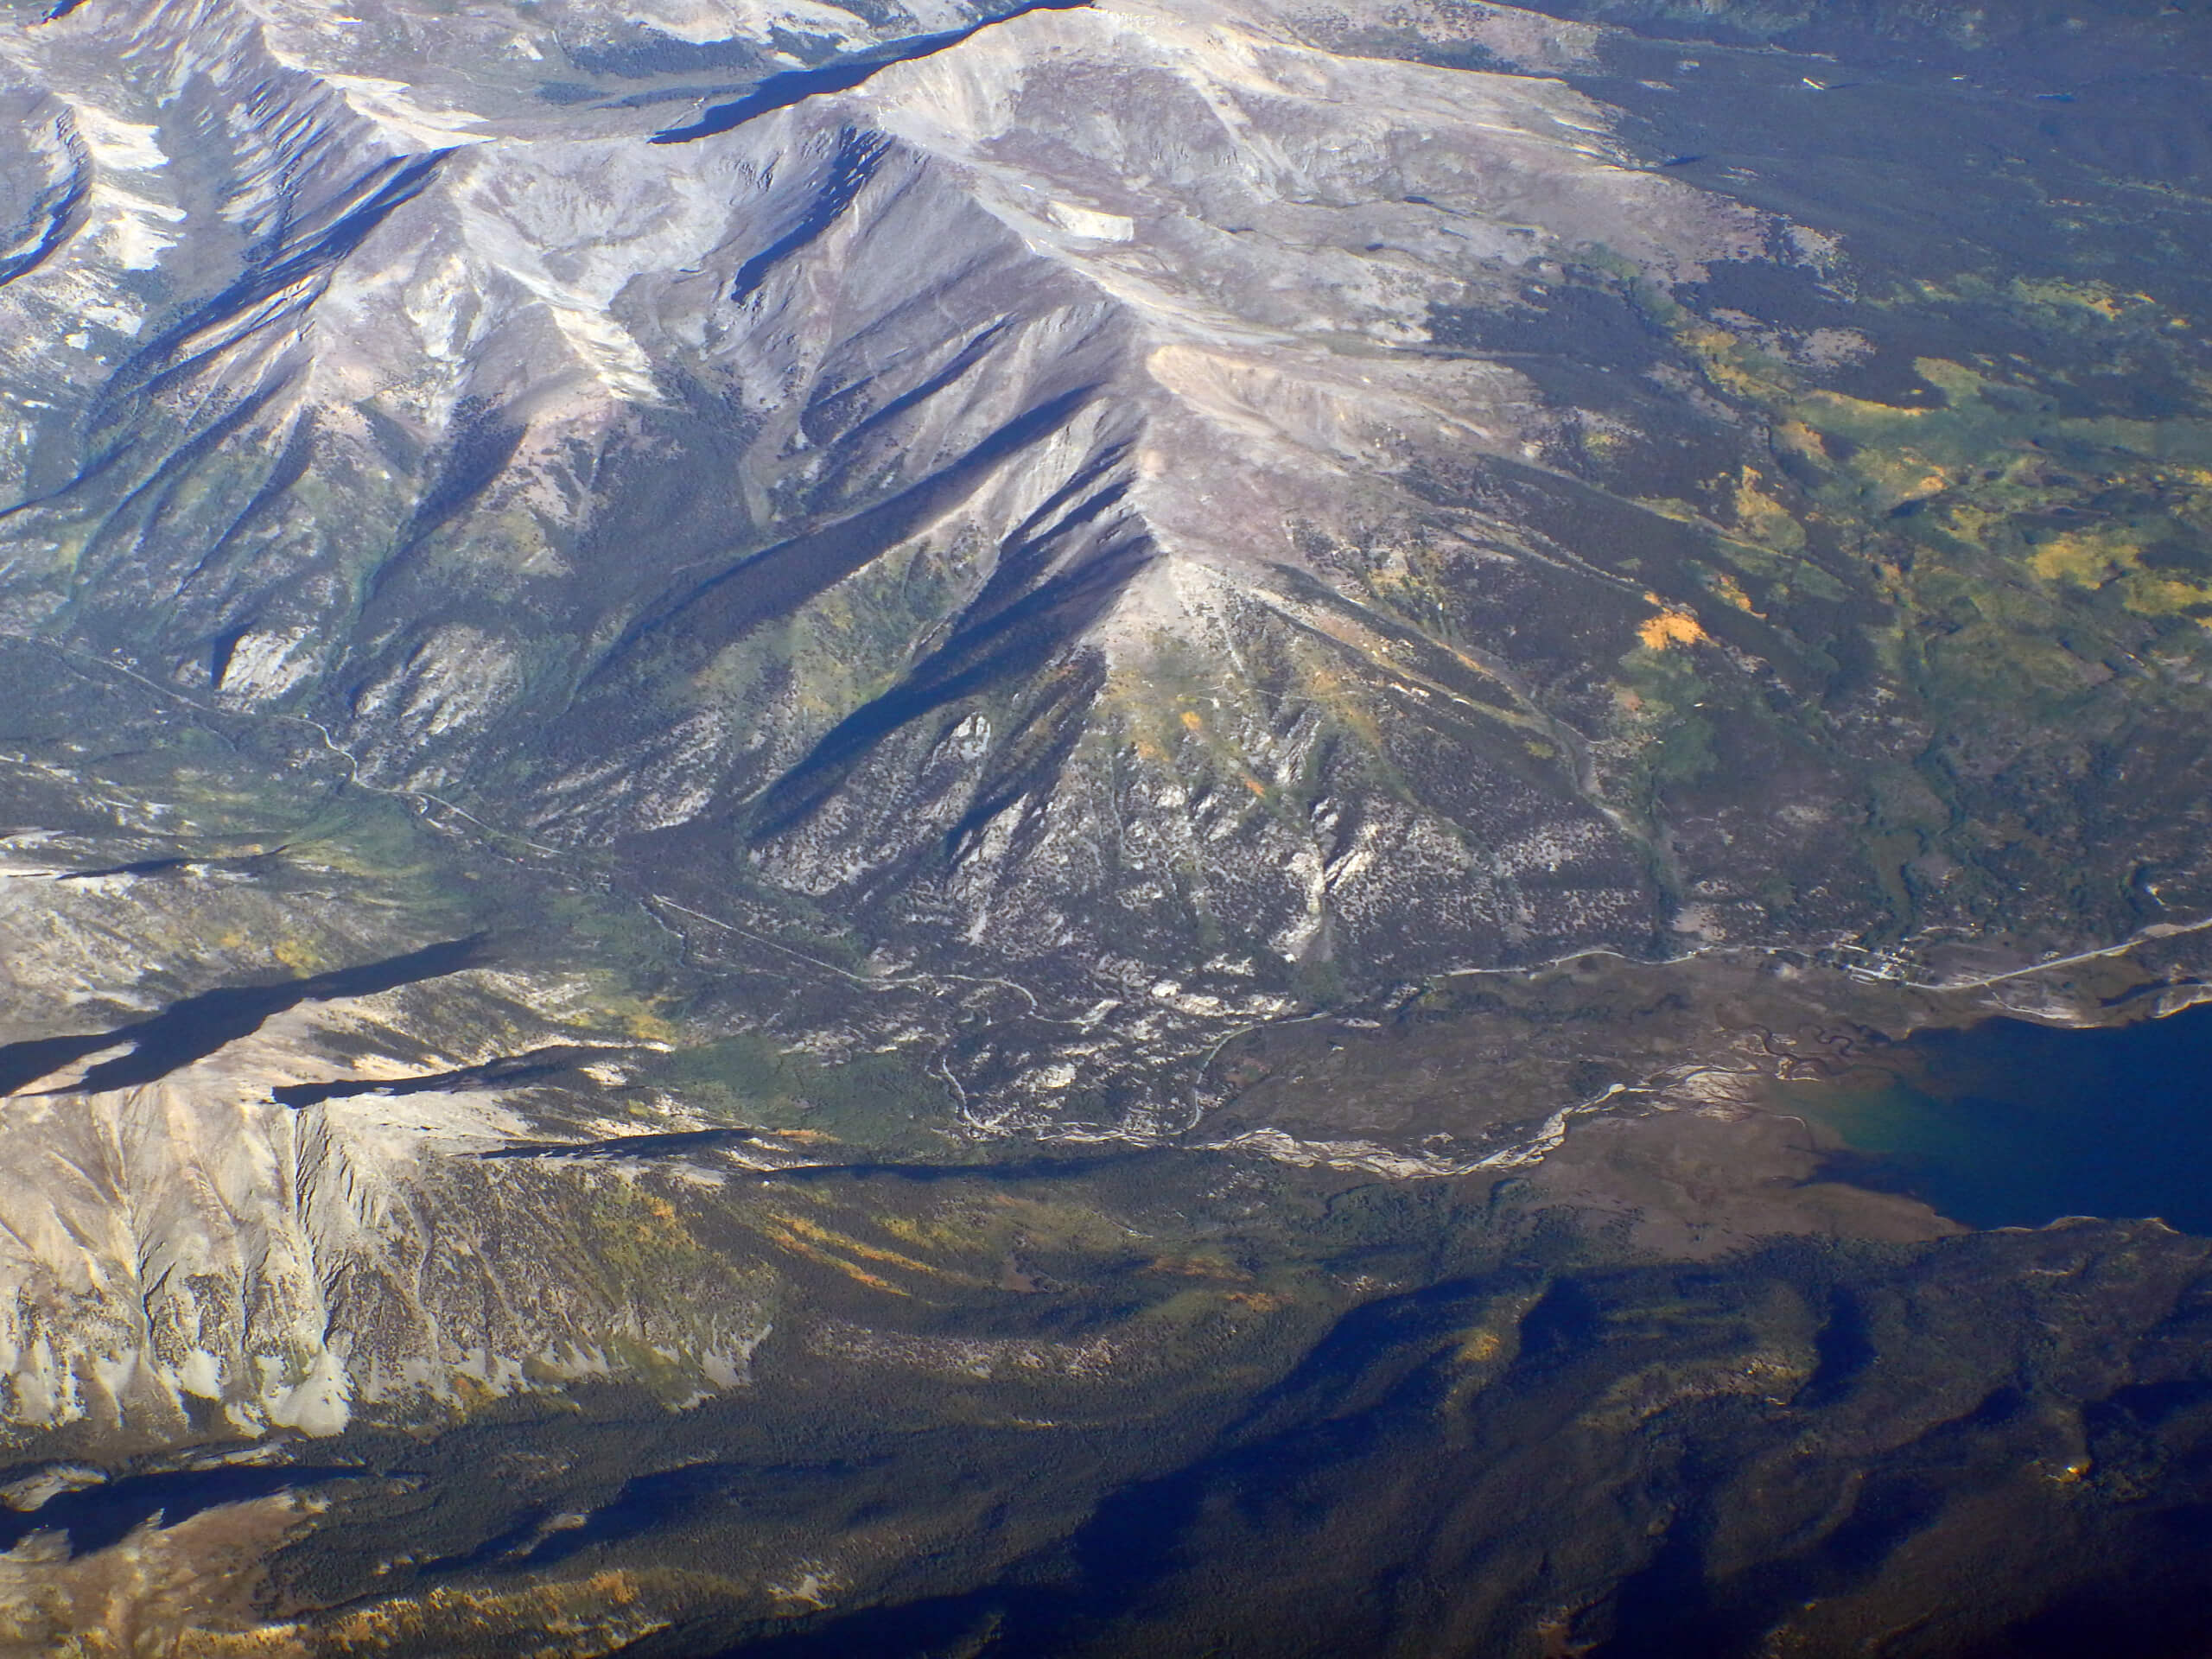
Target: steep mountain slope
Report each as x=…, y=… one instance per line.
x=1079, y=496
x=1004, y=550
x=849, y=495
x=249, y=1185
x=939, y=828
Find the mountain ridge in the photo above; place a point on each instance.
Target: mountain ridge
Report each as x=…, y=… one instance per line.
x=990, y=585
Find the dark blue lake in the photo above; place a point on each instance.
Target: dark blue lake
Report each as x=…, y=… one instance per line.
x=2010, y=1123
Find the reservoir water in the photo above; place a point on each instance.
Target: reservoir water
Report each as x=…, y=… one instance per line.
x=2010, y=1123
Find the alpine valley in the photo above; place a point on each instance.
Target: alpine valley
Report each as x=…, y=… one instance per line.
x=921, y=829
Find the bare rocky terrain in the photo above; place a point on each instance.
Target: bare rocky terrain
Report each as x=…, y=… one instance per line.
x=1023, y=718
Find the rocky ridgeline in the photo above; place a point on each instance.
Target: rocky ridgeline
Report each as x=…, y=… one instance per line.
x=1024, y=543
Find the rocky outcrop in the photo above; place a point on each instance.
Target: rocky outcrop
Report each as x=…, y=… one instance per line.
x=244, y=1213
x=1015, y=543
x=981, y=498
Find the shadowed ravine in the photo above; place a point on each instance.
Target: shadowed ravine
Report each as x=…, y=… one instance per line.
x=780, y=91
x=195, y=1027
